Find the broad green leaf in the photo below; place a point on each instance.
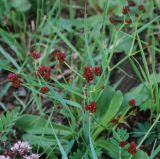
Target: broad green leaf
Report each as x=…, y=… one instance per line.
x=21, y=5
x=112, y=110
x=112, y=148
x=9, y=39
x=104, y=101
x=140, y=155
x=124, y=43
x=37, y=125
x=67, y=24
x=113, y=107
x=103, y=143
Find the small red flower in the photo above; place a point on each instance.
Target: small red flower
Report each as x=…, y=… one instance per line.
x=112, y=20
x=122, y=143
x=141, y=8
x=131, y=3
x=136, y=15
x=44, y=89
x=132, y=148
x=132, y=102
x=91, y=108
x=115, y=121
x=16, y=84
x=88, y=74
x=129, y=21
x=44, y=72
x=35, y=54
x=97, y=71
x=126, y=10
x=60, y=56
x=119, y=116
x=13, y=78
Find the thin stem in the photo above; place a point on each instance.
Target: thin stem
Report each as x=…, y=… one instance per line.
x=145, y=136
x=73, y=70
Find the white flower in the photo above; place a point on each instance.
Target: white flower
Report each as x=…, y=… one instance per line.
x=21, y=147
x=27, y=157
x=33, y=156
x=4, y=157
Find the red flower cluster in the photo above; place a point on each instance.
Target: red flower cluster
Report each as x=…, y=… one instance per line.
x=126, y=10
x=141, y=8
x=131, y=3
x=132, y=148
x=122, y=143
x=13, y=78
x=136, y=15
x=129, y=21
x=60, y=56
x=35, y=54
x=44, y=89
x=116, y=120
x=112, y=20
x=91, y=108
x=132, y=102
x=44, y=72
x=89, y=73
x=97, y=71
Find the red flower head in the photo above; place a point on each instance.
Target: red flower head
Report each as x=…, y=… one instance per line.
x=131, y=3
x=122, y=143
x=141, y=8
x=136, y=15
x=60, y=56
x=35, y=54
x=112, y=20
x=129, y=21
x=97, y=71
x=88, y=74
x=16, y=84
x=132, y=102
x=91, y=108
x=44, y=89
x=115, y=121
x=13, y=78
x=125, y=10
x=132, y=148
x=44, y=72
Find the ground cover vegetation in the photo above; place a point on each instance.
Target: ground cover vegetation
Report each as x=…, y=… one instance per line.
x=79, y=79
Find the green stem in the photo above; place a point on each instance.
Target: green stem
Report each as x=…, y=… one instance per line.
x=145, y=136
x=73, y=70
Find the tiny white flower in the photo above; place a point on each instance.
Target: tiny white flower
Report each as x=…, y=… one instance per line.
x=4, y=157
x=33, y=156
x=21, y=147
